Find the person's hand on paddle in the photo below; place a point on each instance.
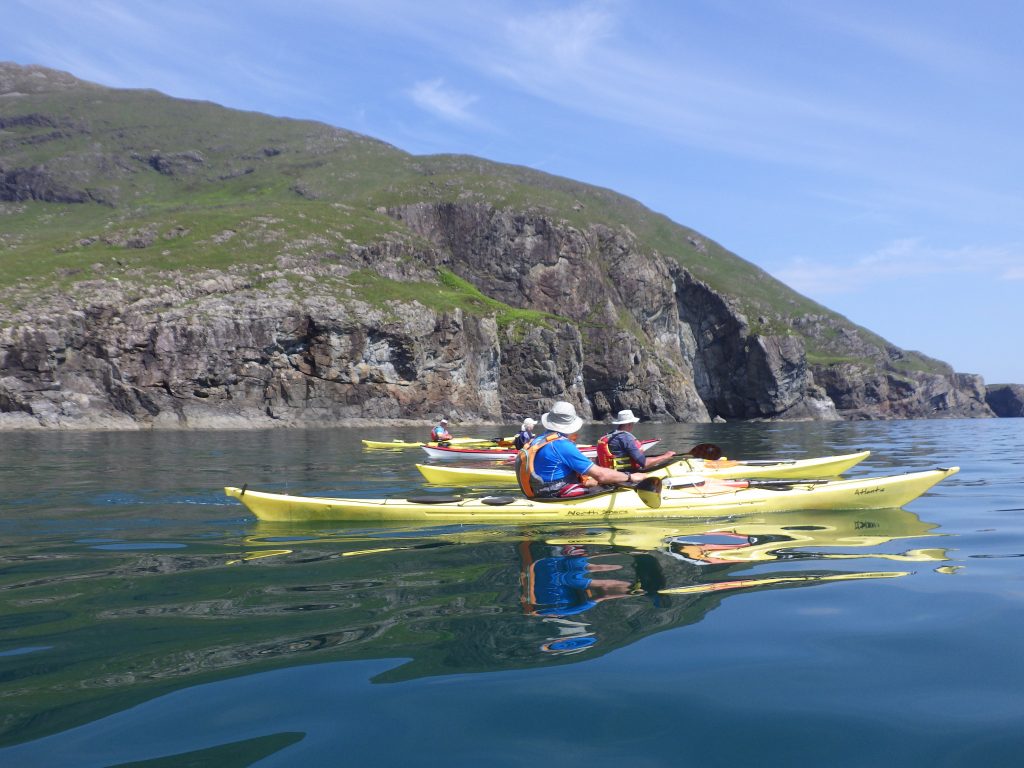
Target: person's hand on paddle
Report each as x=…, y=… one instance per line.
x=663, y=457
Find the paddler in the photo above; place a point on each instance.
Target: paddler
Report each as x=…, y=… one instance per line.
x=620, y=449
x=525, y=433
x=552, y=467
x=440, y=433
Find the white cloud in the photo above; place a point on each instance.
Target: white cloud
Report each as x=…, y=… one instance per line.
x=899, y=260
x=445, y=102
x=565, y=38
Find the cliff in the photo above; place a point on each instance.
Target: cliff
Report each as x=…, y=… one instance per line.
x=172, y=263
x=1005, y=399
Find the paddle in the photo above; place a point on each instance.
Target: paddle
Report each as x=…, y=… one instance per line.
x=649, y=491
x=706, y=451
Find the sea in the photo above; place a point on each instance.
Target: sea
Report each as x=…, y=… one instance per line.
x=148, y=620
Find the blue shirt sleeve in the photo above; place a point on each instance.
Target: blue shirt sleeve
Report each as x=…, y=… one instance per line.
x=560, y=459
x=571, y=457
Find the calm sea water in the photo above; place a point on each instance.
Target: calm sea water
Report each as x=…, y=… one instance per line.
x=145, y=619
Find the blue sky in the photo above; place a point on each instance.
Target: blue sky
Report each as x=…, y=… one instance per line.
x=869, y=153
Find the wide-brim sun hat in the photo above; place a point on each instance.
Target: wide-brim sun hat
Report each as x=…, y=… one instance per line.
x=562, y=418
x=625, y=417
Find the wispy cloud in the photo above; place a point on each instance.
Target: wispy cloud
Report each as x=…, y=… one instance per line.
x=585, y=60
x=445, y=102
x=898, y=260
x=912, y=42
x=565, y=37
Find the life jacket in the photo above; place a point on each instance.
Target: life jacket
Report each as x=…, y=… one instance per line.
x=605, y=457
x=522, y=439
x=530, y=483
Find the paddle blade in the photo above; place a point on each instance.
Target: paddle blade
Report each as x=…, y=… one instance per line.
x=649, y=491
x=708, y=451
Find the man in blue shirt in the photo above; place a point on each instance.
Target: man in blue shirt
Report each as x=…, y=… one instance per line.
x=551, y=466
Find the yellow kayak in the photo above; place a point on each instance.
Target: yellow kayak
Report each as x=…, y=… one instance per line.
x=710, y=497
x=475, y=441
x=826, y=466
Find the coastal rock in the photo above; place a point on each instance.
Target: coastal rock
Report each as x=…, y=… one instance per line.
x=607, y=326
x=1005, y=399
x=353, y=281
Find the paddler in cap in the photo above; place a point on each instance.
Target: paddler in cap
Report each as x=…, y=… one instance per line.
x=621, y=450
x=525, y=433
x=440, y=433
x=551, y=466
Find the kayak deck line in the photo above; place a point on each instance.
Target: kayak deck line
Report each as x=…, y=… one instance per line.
x=891, y=491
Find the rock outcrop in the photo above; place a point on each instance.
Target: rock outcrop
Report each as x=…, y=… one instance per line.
x=1005, y=399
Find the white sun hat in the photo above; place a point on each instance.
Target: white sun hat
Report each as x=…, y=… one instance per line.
x=625, y=417
x=562, y=418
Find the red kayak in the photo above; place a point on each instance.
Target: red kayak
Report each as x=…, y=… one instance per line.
x=501, y=454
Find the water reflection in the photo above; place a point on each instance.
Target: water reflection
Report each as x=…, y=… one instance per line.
x=449, y=599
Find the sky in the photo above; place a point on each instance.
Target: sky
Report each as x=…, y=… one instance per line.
x=869, y=154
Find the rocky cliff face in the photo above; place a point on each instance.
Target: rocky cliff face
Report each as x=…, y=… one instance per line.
x=585, y=311
x=625, y=329
x=1005, y=399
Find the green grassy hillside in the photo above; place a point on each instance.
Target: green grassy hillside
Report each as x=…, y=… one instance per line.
x=96, y=181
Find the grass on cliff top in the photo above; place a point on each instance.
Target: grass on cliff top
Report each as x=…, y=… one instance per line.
x=46, y=244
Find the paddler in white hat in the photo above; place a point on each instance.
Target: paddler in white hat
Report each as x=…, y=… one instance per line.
x=620, y=449
x=551, y=466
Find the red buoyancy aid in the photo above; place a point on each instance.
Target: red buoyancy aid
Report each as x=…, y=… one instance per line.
x=605, y=457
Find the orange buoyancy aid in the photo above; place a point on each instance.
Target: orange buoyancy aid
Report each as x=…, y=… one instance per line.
x=530, y=483
x=605, y=457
